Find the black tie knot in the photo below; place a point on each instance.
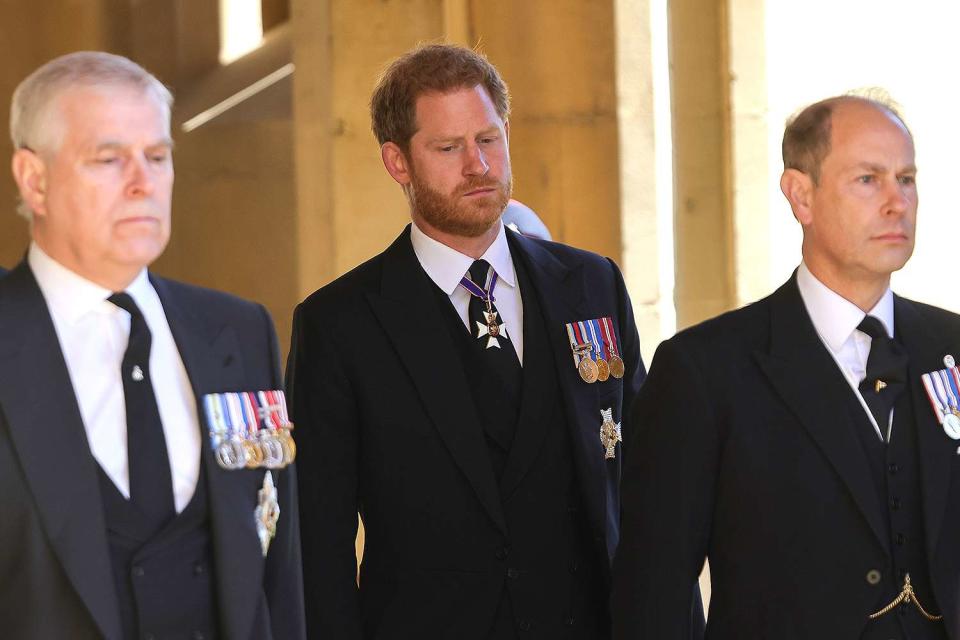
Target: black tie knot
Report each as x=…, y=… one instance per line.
x=873, y=327
x=478, y=273
x=125, y=302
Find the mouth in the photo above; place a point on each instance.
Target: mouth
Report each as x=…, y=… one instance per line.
x=483, y=191
x=892, y=236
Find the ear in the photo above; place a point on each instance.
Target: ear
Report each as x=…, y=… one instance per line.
x=798, y=188
x=30, y=174
x=396, y=163
x=506, y=129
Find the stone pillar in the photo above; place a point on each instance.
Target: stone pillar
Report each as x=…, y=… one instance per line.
x=558, y=57
x=705, y=284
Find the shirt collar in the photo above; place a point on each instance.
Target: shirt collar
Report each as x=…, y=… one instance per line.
x=446, y=266
x=69, y=295
x=834, y=317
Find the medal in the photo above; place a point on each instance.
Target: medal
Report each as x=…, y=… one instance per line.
x=603, y=369
x=581, y=348
x=267, y=513
x=250, y=429
x=491, y=329
x=615, y=362
x=941, y=388
x=588, y=369
x=610, y=434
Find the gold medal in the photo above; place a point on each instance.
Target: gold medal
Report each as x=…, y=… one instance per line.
x=588, y=369
x=603, y=370
x=616, y=366
x=252, y=453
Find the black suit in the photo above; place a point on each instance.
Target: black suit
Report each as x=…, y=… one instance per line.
x=54, y=557
x=752, y=450
x=387, y=425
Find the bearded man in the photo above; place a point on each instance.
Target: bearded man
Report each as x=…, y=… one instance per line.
x=462, y=392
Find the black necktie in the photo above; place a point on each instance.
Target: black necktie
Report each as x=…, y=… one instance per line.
x=886, y=371
x=151, y=488
x=485, y=321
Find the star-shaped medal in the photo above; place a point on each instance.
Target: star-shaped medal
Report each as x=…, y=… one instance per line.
x=491, y=330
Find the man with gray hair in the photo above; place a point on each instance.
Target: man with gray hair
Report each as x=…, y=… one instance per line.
x=121, y=518
x=807, y=443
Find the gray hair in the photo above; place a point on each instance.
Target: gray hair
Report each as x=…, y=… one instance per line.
x=33, y=120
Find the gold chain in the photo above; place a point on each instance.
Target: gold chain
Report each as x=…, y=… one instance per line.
x=906, y=595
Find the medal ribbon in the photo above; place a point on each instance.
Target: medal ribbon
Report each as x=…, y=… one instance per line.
x=596, y=336
x=476, y=290
x=584, y=338
x=609, y=336
x=574, y=344
x=932, y=382
x=947, y=380
x=218, y=428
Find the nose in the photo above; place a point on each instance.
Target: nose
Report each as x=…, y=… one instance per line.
x=476, y=161
x=140, y=182
x=899, y=197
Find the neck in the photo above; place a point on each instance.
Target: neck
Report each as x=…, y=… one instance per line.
x=474, y=247
x=863, y=292
x=112, y=279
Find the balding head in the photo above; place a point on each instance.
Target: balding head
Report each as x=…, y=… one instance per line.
x=806, y=139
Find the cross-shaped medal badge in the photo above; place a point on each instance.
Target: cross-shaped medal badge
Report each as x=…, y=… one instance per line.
x=610, y=433
x=491, y=330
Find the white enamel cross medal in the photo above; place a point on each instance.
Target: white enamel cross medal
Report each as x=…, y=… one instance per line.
x=491, y=330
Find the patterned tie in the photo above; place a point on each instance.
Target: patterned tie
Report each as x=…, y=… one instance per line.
x=886, y=371
x=151, y=488
x=492, y=335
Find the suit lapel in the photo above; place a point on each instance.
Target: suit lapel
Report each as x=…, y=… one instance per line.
x=211, y=356
x=813, y=387
x=407, y=310
x=560, y=291
x=937, y=451
x=532, y=422
x=43, y=417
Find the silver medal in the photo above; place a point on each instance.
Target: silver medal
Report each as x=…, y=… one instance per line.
x=951, y=426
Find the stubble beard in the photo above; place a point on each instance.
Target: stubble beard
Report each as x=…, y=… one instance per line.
x=454, y=216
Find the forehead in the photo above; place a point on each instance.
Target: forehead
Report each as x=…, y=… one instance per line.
x=453, y=111
x=122, y=113
x=861, y=131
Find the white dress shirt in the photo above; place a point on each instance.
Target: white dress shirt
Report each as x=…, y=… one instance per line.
x=836, y=319
x=446, y=266
x=93, y=335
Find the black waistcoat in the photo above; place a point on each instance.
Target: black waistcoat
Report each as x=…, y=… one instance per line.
x=553, y=587
x=164, y=578
x=895, y=467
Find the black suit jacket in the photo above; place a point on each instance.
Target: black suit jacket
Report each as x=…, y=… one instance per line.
x=386, y=426
x=745, y=454
x=57, y=580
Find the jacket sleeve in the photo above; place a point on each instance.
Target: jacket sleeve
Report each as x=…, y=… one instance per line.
x=668, y=495
x=323, y=408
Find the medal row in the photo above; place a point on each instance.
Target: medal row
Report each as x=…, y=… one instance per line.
x=250, y=429
x=595, y=351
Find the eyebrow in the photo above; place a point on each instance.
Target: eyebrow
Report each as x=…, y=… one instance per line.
x=114, y=144
x=879, y=168
x=451, y=138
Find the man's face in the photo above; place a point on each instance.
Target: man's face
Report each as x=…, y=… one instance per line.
x=864, y=210
x=459, y=158
x=105, y=213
